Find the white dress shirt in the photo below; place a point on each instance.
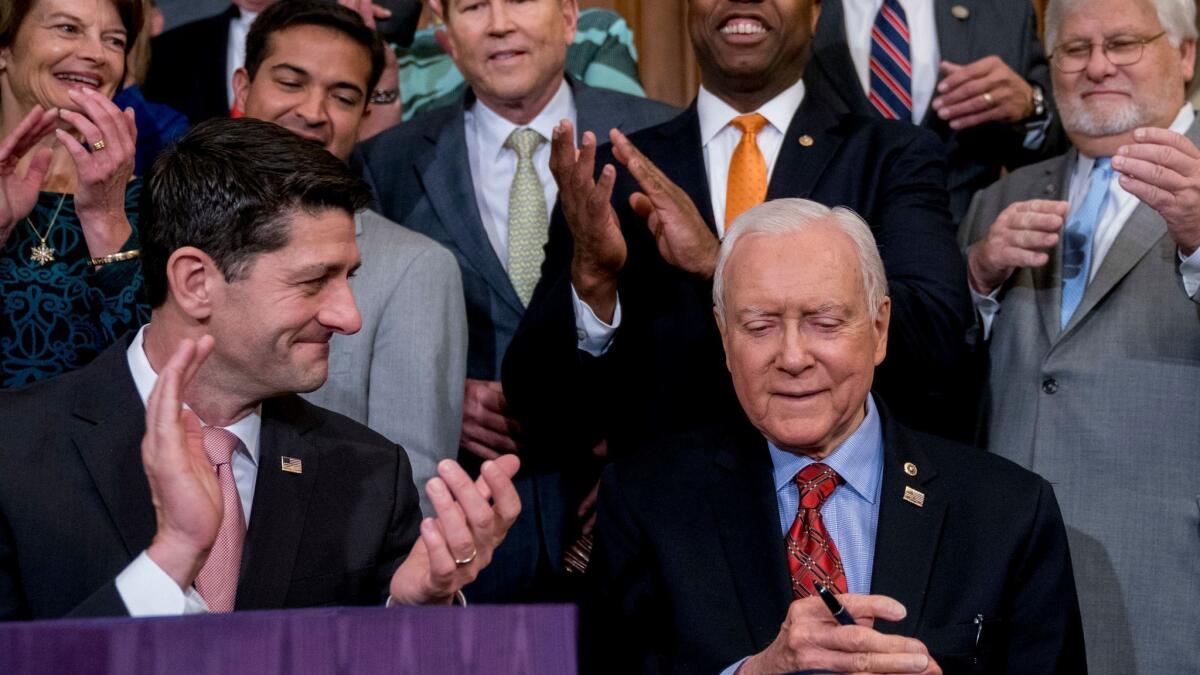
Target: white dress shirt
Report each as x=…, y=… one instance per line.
x=143, y=586
x=1118, y=206
x=235, y=49
x=719, y=140
x=923, y=49
x=493, y=166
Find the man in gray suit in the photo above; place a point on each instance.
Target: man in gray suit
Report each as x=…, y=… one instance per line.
x=1094, y=326
x=977, y=77
x=475, y=177
x=310, y=67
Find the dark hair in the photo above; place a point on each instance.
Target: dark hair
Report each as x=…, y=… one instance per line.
x=13, y=13
x=291, y=13
x=230, y=188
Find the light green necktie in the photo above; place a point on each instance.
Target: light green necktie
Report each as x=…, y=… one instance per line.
x=528, y=220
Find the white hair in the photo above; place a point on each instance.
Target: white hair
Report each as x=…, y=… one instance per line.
x=1177, y=17
x=788, y=216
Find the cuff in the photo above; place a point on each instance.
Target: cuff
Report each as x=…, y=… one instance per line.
x=1035, y=133
x=1189, y=269
x=593, y=335
x=146, y=590
x=732, y=670
x=988, y=306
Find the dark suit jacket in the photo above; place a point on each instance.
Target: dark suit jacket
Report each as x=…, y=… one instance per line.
x=75, y=504
x=187, y=68
x=689, y=573
x=665, y=370
x=1005, y=28
x=422, y=178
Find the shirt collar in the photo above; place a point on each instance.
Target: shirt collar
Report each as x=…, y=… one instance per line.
x=858, y=460
x=493, y=129
x=144, y=377
x=716, y=114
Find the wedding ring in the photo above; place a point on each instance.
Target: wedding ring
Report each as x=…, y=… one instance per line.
x=98, y=145
x=469, y=559
x=987, y=98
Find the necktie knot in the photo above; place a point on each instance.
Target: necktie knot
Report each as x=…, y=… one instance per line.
x=816, y=483
x=219, y=445
x=524, y=142
x=1103, y=168
x=749, y=124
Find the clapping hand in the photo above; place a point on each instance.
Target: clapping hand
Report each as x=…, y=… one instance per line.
x=487, y=430
x=983, y=91
x=1162, y=168
x=1022, y=236
x=18, y=194
x=472, y=519
x=104, y=166
x=187, y=499
x=370, y=12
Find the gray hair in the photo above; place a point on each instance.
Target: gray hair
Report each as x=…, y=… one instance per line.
x=788, y=216
x=1177, y=17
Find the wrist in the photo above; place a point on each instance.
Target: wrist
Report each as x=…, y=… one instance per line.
x=983, y=284
x=597, y=289
x=180, y=561
x=105, y=233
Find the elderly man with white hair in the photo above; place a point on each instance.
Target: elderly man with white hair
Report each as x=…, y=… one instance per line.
x=711, y=544
x=1085, y=272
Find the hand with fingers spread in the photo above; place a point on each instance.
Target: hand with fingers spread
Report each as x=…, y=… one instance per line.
x=1022, y=236
x=104, y=165
x=368, y=10
x=487, y=430
x=472, y=519
x=1162, y=168
x=811, y=640
x=683, y=237
x=983, y=91
x=586, y=203
x=187, y=499
x=18, y=194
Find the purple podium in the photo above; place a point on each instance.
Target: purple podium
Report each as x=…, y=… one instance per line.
x=492, y=639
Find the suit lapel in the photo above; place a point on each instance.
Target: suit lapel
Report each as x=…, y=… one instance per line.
x=109, y=446
x=743, y=502
x=1047, y=279
x=831, y=56
x=801, y=162
x=679, y=152
x=593, y=111
x=907, y=538
x=280, y=506
x=451, y=192
x=953, y=35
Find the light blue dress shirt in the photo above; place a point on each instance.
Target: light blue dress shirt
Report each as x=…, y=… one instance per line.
x=851, y=513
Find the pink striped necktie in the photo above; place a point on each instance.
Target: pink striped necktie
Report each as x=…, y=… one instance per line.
x=218, y=579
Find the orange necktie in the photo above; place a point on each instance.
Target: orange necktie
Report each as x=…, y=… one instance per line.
x=747, y=186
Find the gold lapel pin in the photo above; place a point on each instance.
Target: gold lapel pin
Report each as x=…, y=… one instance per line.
x=914, y=497
x=959, y=12
x=806, y=141
x=291, y=465
x=910, y=468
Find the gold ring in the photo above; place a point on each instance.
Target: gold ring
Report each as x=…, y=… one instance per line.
x=469, y=559
x=98, y=145
x=987, y=97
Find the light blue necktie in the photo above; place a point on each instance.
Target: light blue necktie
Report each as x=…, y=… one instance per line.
x=1077, y=239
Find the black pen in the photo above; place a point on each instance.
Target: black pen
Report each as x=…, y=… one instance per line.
x=843, y=617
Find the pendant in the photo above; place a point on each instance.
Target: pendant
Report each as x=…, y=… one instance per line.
x=41, y=254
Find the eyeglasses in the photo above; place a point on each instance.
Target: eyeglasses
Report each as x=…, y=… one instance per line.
x=1123, y=50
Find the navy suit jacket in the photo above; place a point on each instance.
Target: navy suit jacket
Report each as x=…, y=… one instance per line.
x=422, y=179
x=188, y=68
x=75, y=505
x=665, y=370
x=689, y=571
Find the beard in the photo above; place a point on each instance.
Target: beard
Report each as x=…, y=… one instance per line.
x=1080, y=118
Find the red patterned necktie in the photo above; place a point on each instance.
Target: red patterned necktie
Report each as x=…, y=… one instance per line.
x=812, y=555
x=218, y=579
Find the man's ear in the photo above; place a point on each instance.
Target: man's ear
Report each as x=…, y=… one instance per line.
x=241, y=88
x=883, y=318
x=816, y=16
x=570, y=12
x=192, y=281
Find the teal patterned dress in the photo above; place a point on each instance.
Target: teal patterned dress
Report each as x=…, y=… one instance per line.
x=57, y=317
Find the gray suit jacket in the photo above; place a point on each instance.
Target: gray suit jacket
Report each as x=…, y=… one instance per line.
x=402, y=374
x=1106, y=411
x=1005, y=28
x=422, y=178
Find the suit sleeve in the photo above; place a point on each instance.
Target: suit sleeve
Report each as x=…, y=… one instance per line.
x=403, y=528
x=1046, y=630
x=418, y=365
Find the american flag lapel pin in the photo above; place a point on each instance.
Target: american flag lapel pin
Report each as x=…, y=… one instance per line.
x=914, y=497
x=291, y=465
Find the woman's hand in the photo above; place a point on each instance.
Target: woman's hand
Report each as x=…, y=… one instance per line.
x=103, y=166
x=18, y=194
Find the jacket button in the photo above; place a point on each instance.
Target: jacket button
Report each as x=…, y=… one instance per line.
x=1050, y=385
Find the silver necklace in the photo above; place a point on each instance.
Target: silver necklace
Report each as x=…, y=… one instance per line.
x=43, y=253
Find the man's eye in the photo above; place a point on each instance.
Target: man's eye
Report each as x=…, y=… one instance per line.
x=288, y=84
x=1121, y=45
x=1077, y=50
